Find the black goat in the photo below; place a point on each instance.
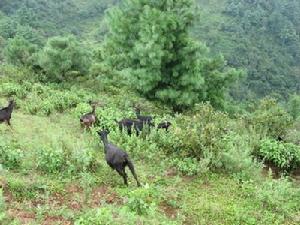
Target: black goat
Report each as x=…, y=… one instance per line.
x=145, y=119
x=128, y=124
x=164, y=125
x=5, y=113
x=116, y=158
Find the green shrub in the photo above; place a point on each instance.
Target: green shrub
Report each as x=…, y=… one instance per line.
x=63, y=55
x=270, y=119
x=101, y=216
x=20, y=52
x=293, y=106
x=2, y=207
x=279, y=196
x=13, y=89
x=284, y=155
x=201, y=134
x=237, y=158
x=50, y=160
x=187, y=166
x=142, y=201
x=11, y=155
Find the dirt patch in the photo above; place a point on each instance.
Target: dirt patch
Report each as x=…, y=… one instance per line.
x=73, y=188
x=23, y=216
x=55, y=220
x=296, y=174
x=276, y=172
x=104, y=194
x=171, y=172
x=57, y=199
x=168, y=210
x=74, y=205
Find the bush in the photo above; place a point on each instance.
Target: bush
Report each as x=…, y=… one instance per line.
x=62, y=55
x=10, y=154
x=187, y=166
x=201, y=134
x=284, y=155
x=20, y=52
x=293, y=106
x=50, y=160
x=270, y=119
x=279, y=196
x=142, y=200
x=237, y=158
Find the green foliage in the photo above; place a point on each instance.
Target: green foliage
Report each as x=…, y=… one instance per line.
x=293, y=106
x=64, y=156
x=260, y=36
x=2, y=206
x=43, y=99
x=270, y=119
x=10, y=154
x=187, y=166
x=63, y=55
x=142, y=200
x=149, y=41
x=279, y=196
x=237, y=158
x=201, y=135
x=284, y=155
x=20, y=52
x=50, y=160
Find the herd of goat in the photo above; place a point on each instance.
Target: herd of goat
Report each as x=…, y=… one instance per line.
x=115, y=157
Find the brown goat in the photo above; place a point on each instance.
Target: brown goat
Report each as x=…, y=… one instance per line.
x=5, y=113
x=87, y=120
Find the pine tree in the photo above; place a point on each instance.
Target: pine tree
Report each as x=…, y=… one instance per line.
x=150, y=42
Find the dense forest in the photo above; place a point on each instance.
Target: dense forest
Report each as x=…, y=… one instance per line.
x=202, y=95
x=261, y=37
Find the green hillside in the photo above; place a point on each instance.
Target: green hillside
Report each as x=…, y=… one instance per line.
x=224, y=74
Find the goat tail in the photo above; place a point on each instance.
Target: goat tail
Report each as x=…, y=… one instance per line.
x=131, y=168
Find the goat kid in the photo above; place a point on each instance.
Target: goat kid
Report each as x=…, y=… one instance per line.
x=87, y=120
x=164, y=125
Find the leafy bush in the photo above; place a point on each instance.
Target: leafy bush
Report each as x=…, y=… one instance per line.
x=293, y=106
x=110, y=215
x=50, y=160
x=2, y=207
x=270, y=119
x=19, y=51
x=65, y=157
x=279, y=196
x=187, y=166
x=142, y=200
x=62, y=55
x=11, y=155
x=201, y=134
x=237, y=158
x=101, y=216
x=284, y=155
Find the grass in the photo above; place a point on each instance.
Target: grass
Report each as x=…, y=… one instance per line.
x=33, y=197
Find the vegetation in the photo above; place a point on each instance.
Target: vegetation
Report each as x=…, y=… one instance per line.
x=229, y=156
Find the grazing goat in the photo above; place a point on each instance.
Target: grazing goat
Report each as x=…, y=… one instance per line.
x=164, y=125
x=116, y=158
x=87, y=120
x=5, y=113
x=128, y=124
x=145, y=119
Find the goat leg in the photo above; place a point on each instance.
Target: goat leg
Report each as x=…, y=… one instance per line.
x=131, y=167
x=122, y=174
